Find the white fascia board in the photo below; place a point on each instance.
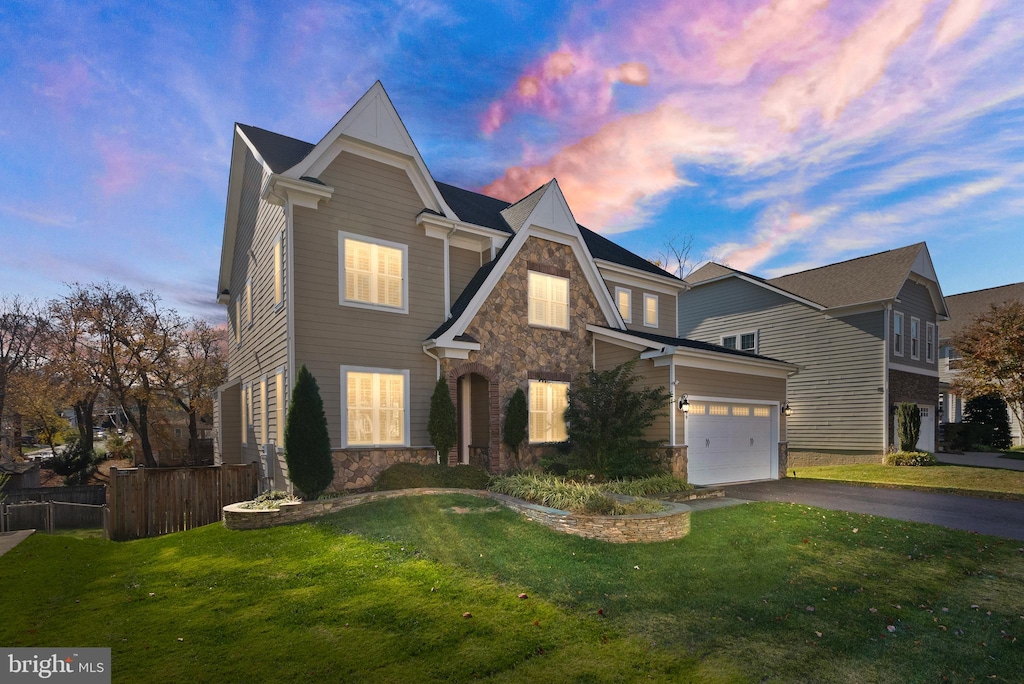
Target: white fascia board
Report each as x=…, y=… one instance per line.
x=299, y=193
x=759, y=283
x=451, y=350
x=622, y=340
x=465, y=235
x=626, y=275
x=372, y=128
x=931, y=373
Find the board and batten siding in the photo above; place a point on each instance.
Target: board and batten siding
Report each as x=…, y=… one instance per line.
x=264, y=341
x=837, y=395
x=915, y=302
x=462, y=266
x=608, y=356
x=666, y=308
x=379, y=201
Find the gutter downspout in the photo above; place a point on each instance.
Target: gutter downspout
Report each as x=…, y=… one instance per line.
x=436, y=358
x=447, y=277
x=672, y=407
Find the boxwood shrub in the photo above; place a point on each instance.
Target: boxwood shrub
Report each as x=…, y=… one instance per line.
x=910, y=458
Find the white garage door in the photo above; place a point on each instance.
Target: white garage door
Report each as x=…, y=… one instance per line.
x=728, y=442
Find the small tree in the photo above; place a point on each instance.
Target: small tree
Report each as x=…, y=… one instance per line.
x=307, y=444
x=988, y=411
x=908, y=421
x=441, y=424
x=4, y=478
x=607, y=420
x=517, y=420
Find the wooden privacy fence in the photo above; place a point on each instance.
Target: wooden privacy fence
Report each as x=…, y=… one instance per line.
x=50, y=516
x=83, y=494
x=148, y=502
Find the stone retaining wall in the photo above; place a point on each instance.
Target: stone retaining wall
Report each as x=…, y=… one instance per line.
x=673, y=523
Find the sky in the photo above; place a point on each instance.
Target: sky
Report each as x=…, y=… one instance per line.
x=779, y=135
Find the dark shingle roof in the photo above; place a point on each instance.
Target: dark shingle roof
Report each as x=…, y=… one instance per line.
x=872, y=278
x=279, y=151
x=515, y=215
x=460, y=304
x=964, y=308
x=472, y=207
x=692, y=344
x=709, y=271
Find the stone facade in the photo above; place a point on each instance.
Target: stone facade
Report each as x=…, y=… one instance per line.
x=672, y=523
x=783, y=458
x=797, y=459
x=511, y=349
x=360, y=468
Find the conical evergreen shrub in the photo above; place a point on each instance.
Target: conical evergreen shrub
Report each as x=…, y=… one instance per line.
x=441, y=425
x=307, y=445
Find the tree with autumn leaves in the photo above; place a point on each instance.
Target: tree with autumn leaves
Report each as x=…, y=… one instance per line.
x=992, y=357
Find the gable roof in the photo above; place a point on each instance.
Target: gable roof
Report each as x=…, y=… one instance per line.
x=693, y=344
x=279, y=151
x=964, y=308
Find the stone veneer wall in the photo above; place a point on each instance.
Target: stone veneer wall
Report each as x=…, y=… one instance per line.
x=510, y=349
x=797, y=459
x=673, y=523
x=360, y=468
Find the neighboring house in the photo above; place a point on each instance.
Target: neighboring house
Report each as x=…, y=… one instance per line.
x=964, y=309
x=862, y=332
x=349, y=258
x=23, y=475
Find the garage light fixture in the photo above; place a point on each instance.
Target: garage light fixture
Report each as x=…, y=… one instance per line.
x=684, y=405
x=787, y=410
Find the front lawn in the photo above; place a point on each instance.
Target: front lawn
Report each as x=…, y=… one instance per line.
x=990, y=482
x=761, y=591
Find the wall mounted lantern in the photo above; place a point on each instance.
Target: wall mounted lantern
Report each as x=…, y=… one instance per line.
x=787, y=410
x=684, y=405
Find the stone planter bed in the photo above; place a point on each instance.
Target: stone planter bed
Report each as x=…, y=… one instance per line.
x=672, y=523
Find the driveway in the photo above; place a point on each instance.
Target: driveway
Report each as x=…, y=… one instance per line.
x=980, y=459
x=986, y=516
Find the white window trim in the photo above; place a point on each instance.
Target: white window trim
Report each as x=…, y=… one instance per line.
x=345, y=370
x=568, y=310
x=342, y=236
x=248, y=303
x=929, y=342
x=278, y=251
x=648, y=297
x=280, y=405
x=897, y=350
x=915, y=355
x=739, y=340
x=238, y=321
x=629, y=295
x=264, y=436
x=530, y=387
x=246, y=412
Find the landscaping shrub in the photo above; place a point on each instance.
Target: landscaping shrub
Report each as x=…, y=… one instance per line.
x=607, y=420
x=569, y=495
x=75, y=462
x=270, y=501
x=988, y=413
x=908, y=425
x=441, y=422
x=517, y=420
x=307, y=445
x=645, y=486
x=910, y=458
x=118, y=447
x=410, y=475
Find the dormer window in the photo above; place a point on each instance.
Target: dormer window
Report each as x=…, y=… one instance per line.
x=549, y=301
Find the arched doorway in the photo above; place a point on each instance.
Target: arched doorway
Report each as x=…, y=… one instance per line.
x=474, y=389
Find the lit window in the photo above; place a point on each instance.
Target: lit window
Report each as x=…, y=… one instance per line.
x=651, y=310
x=264, y=412
x=762, y=411
x=915, y=338
x=624, y=300
x=718, y=410
x=373, y=273
x=238, y=320
x=548, y=401
x=248, y=302
x=897, y=333
x=278, y=271
x=375, y=409
x=549, y=301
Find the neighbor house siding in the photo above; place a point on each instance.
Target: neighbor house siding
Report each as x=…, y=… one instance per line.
x=666, y=308
x=836, y=396
x=264, y=330
x=462, y=266
x=378, y=201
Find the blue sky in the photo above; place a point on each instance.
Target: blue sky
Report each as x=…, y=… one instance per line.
x=780, y=134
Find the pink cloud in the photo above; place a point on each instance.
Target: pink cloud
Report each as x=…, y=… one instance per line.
x=125, y=167
x=830, y=85
x=960, y=16
x=67, y=85
x=608, y=176
x=780, y=228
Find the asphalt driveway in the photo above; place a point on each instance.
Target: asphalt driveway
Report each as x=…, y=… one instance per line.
x=986, y=516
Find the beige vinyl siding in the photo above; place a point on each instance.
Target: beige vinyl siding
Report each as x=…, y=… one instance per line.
x=836, y=395
x=379, y=201
x=462, y=266
x=228, y=419
x=666, y=309
x=914, y=302
x=264, y=344
x=608, y=355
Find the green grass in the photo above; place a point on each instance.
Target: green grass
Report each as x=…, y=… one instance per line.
x=990, y=482
x=377, y=593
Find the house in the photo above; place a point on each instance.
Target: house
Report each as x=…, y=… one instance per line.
x=964, y=309
x=863, y=334
x=348, y=257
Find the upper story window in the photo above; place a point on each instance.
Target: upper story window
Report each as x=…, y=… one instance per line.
x=915, y=338
x=549, y=301
x=897, y=333
x=651, y=310
x=238, y=320
x=929, y=342
x=248, y=302
x=624, y=300
x=743, y=342
x=278, y=270
x=375, y=410
x=373, y=273
x=548, y=401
